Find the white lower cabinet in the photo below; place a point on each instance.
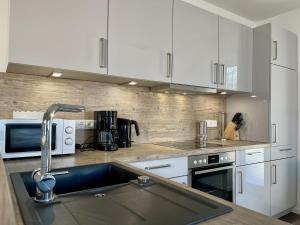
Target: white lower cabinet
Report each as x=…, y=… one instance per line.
x=181, y=180
x=167, y=168
x=283, y=185
x=253, y=187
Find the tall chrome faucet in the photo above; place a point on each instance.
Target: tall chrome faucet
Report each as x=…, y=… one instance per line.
x=44, y=179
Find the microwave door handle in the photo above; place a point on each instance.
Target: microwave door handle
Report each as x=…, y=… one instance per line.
x=213, y=170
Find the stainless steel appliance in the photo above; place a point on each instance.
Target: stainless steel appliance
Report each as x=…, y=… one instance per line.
x=213, y=174
x=202, y=127
x=22, y=137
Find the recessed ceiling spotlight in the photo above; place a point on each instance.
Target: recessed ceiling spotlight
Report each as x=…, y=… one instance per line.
x=253, y=96
x=132, y=83
x=166, y=92
x=223, y=93
x=185, y=93
x=56, y=74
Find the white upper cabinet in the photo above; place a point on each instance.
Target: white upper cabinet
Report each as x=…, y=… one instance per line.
x=4, y=31
x=284, y=48
x=140, y=39
x=284, y=106
x=195, y=36
x=235, y=56
x=66, y=34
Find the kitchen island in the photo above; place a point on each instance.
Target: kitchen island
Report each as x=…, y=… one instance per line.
x=141, y=152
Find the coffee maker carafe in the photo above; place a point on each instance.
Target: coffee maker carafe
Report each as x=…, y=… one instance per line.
x=124, y=131
x=106, y=133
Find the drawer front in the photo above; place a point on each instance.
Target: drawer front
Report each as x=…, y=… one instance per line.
x=251, y=156
x=181, y=180
x=167, y=168
x=282, y=152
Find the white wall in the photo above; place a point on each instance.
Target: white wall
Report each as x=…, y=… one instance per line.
x=221, y=12
x=4, y=33
x=291, y=22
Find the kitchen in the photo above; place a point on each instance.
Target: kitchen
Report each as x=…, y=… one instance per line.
x=158, y=81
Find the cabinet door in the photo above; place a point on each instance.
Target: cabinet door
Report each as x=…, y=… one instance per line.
x=4, y=30
x=283, y=186
x=283, y=106
x=195, y=37
x=235, y=49
x=181, y=180
x=253, y=187
x=140, y=39
x=59, y=33
x=284, y=48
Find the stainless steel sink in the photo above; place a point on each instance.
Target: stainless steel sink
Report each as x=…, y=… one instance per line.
x=107, y=194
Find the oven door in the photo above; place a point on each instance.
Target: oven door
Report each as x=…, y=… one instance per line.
x=23, y=139
x=218, y=181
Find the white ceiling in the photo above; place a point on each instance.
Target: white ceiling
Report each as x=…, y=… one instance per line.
x=257, y=10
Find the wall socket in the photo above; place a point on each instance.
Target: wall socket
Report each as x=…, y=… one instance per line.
x=211, y=123
x=85, y=124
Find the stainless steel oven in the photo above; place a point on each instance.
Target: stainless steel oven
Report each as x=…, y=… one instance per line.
x=213, y=174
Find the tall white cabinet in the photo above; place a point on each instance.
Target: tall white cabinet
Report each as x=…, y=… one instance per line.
x=4, y=33
x=140, y=39
x=60, y=34
x=275, y=80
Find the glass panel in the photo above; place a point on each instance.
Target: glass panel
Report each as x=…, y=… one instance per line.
x=219, y=183
x=26, y=137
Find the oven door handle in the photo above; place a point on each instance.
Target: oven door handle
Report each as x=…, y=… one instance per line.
x=213, y=170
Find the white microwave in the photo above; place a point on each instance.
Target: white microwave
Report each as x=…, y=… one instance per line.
x=22, y=137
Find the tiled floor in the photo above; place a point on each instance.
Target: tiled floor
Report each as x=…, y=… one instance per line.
x=292, y=218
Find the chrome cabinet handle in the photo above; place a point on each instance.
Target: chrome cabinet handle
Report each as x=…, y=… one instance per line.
x=276, y=50
x=103, y=52
x=240, y=191
x=274, y=174
x=222, y=79
x=254, y=153
x=215, y=73
x=157, y=167
x=286, y=149
x=274, y=133
x=169, y=65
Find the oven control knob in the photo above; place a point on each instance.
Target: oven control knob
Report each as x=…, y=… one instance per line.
x=200, y=161
x=69, y=130
x=226, y=157
x=195, y=162
x=204, y=160
x=222, y=158
x=229, y=157
x=69, y=141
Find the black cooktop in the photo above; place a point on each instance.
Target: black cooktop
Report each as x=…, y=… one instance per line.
x=187, y=145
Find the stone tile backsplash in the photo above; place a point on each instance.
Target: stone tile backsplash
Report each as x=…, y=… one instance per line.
x=161, y=117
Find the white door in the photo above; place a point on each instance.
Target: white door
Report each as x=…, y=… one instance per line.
x=284, y=106
x=62, y=34
x=284, y=48
x=283, y=185
x=195, y=37
x=253, y=187
x=140, y=39
x=235, y=56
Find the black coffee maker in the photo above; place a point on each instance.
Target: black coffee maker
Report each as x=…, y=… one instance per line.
x=124, y=131
x=106, y=133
